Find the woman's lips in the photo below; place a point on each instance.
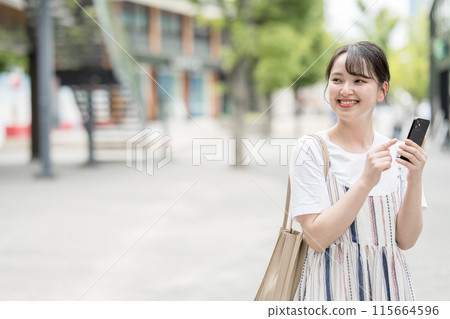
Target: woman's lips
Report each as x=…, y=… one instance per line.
x=347, y=103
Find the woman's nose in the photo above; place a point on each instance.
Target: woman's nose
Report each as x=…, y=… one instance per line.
x=347, y=89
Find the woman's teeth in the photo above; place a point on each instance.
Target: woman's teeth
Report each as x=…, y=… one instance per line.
x=348, y=102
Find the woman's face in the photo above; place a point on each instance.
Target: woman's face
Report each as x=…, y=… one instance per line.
x=352, y=97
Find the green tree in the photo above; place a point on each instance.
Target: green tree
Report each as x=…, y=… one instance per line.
x=279, y=38
x=378, y=29
x=410, y=65
x=10, y=59
x=78, y=39
x=286, y=51
x=13, y=47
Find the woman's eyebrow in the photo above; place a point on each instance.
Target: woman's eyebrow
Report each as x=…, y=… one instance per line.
x=355, y=75
x=364, y=76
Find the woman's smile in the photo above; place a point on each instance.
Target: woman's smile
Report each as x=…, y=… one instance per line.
x=347, y=103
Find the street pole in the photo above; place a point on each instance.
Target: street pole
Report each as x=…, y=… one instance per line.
x=94, y=81
x=90, y=125
x=44, y=38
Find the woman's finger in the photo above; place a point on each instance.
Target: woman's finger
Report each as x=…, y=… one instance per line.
x=417, y=152
x=386, y=165
x=407, y=164
x=383, y=163
x=380, y=154
x=414, y=145
x=423, y=143
x=412, y=157
x=385, y=146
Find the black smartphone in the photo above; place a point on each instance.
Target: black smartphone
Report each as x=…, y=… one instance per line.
x=417, y=132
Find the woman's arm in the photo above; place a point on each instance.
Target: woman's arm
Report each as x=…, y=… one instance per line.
x=323, y=229
x=409, y=218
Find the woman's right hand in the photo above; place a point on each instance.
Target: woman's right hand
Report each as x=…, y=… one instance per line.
x=378, y=160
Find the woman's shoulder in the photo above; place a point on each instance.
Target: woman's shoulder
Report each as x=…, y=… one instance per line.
x=308, y=138
x=308, y=148
x=309, y=142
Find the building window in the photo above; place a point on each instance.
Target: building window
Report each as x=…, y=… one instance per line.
x=166, y=89
x=136, y=23
x=201, y=40
x=196, y=101
x=170, y=32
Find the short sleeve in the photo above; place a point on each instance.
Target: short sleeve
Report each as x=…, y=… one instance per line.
x=404, y=185
x=309, y=192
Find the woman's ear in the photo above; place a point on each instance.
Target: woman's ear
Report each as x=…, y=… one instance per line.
x=382, y=92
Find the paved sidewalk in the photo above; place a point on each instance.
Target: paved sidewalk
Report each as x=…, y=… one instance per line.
x=187, y=233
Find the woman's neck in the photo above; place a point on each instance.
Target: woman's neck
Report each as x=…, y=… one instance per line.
x=352, y=137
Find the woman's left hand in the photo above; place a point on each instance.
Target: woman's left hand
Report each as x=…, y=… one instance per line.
x=417, y=158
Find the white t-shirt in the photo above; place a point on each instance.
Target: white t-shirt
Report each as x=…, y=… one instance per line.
x=309, y=194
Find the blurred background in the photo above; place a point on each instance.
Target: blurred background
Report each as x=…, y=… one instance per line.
x=79, y=78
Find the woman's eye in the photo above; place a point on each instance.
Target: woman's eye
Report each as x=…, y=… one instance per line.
x=335, y=80
x=360, y=81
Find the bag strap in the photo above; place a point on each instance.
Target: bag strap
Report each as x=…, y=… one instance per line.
x=326, y=161
x=325, y=155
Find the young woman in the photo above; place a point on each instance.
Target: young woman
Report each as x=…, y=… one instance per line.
x=369, y=207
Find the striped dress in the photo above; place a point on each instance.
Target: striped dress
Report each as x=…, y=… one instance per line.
x=365, y=263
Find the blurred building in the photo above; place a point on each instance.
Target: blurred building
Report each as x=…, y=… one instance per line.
x=178, y=58
x=148, y=60
x=440, y=63
x=14, y=109
x=167, y=63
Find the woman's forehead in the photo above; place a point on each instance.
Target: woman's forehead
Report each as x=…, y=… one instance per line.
x=348, y=65
x=339, y=63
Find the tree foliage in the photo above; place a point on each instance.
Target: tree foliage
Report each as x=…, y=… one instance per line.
x=409, y=65
x=378, y=29
x=78, y=41
x=279, y=38
x=10, y=60
x=13, y=47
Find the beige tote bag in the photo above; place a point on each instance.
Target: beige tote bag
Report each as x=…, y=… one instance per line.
x=282, y=276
